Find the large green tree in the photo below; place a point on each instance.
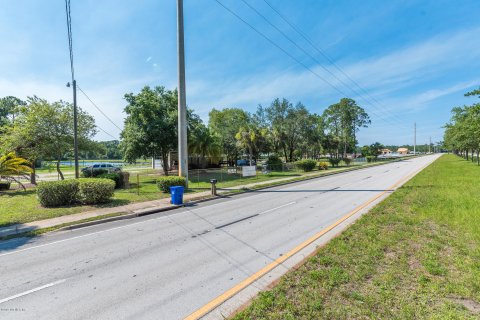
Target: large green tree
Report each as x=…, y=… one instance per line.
x=44, y=130
x=151, y=125
x=8, y=105
x=225, y=124
x=344, y=119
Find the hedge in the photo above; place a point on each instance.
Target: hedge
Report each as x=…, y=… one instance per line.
x=4, y=185
x=93, y=173
x=322, y=165
x=95, y=190
x=371, y=158
x=116, y=177
x=274, y=163
x=306, y=164
x=347, y=161
x=334, y=161
x=164, y=183
x=57, y=193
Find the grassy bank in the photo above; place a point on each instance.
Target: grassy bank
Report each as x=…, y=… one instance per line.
x=414, y=256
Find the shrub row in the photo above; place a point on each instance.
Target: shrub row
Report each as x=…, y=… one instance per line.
x=120, y=178
x=306, y=164
x=93, y=173
x=322, y=165
x=371, y=158
x=67, y=192
x=164, y=183
x=334, y=161
x=274, y=163
x=116, y=177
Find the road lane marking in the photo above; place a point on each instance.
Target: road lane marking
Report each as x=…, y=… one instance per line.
x=78, y=237
x=284, y=205
x=254, y=215
x=33, y=290
x=128, y=225
x=243, y=284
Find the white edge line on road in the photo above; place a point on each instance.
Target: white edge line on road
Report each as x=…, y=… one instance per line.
x=33, y=290
x=77, y=237
x=273, y=209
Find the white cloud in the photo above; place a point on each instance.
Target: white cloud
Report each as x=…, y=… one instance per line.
x=148, y=59
x=380, y=76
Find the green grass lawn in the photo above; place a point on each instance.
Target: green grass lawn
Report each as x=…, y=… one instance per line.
x=414, y=256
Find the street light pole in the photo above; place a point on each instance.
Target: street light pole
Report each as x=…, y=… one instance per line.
x=75, y=129
x=182, y=104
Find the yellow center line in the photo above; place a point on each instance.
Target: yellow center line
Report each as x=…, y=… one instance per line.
x=240, y=286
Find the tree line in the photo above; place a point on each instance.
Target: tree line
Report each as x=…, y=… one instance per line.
x=40, y=130
x=282, y=128
x=462, y=133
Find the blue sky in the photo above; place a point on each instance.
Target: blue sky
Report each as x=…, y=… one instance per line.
x=414, y=58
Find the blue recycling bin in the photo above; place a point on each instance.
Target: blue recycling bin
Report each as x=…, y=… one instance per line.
x=176, y=193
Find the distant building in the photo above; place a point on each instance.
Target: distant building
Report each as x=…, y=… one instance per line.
x=385, y=151
x=402, y=150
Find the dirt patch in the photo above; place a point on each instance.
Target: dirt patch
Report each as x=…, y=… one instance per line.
x=471, y=305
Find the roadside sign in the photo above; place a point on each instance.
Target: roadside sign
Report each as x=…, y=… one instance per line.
x=249, y=171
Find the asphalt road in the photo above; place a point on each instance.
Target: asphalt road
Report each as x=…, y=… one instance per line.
x=166, y=266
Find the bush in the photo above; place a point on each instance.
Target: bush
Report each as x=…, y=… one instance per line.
x=274, y=163
x=164, y=183
x=306, y=164
x=116, y=177
x=93, y=173
x=4, y=185
x=57, y=193
x=322, y=165
x=334, y=161
x=370, y=158
x=95, y=190
x=347, y=161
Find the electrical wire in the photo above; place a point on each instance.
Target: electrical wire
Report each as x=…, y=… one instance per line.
x=281, y=49
x=325, y=55
x=385, y=115
x=98, y=108
x=98, y=127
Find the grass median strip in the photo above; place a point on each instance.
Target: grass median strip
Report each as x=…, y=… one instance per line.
x=416, y=255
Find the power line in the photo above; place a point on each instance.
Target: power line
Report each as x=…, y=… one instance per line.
x=98, y=108
x=324, y=54
x=69, y=31
x=288, y=54
x=318, y=62
x=280, y=48
x=114, y=138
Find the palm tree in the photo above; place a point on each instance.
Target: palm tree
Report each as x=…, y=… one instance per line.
x=203, y=143
x=11, y=167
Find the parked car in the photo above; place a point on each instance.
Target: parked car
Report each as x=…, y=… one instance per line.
x=102, y=166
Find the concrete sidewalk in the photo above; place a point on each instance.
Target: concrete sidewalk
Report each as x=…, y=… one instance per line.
x=134, y=209
x=141, y=208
